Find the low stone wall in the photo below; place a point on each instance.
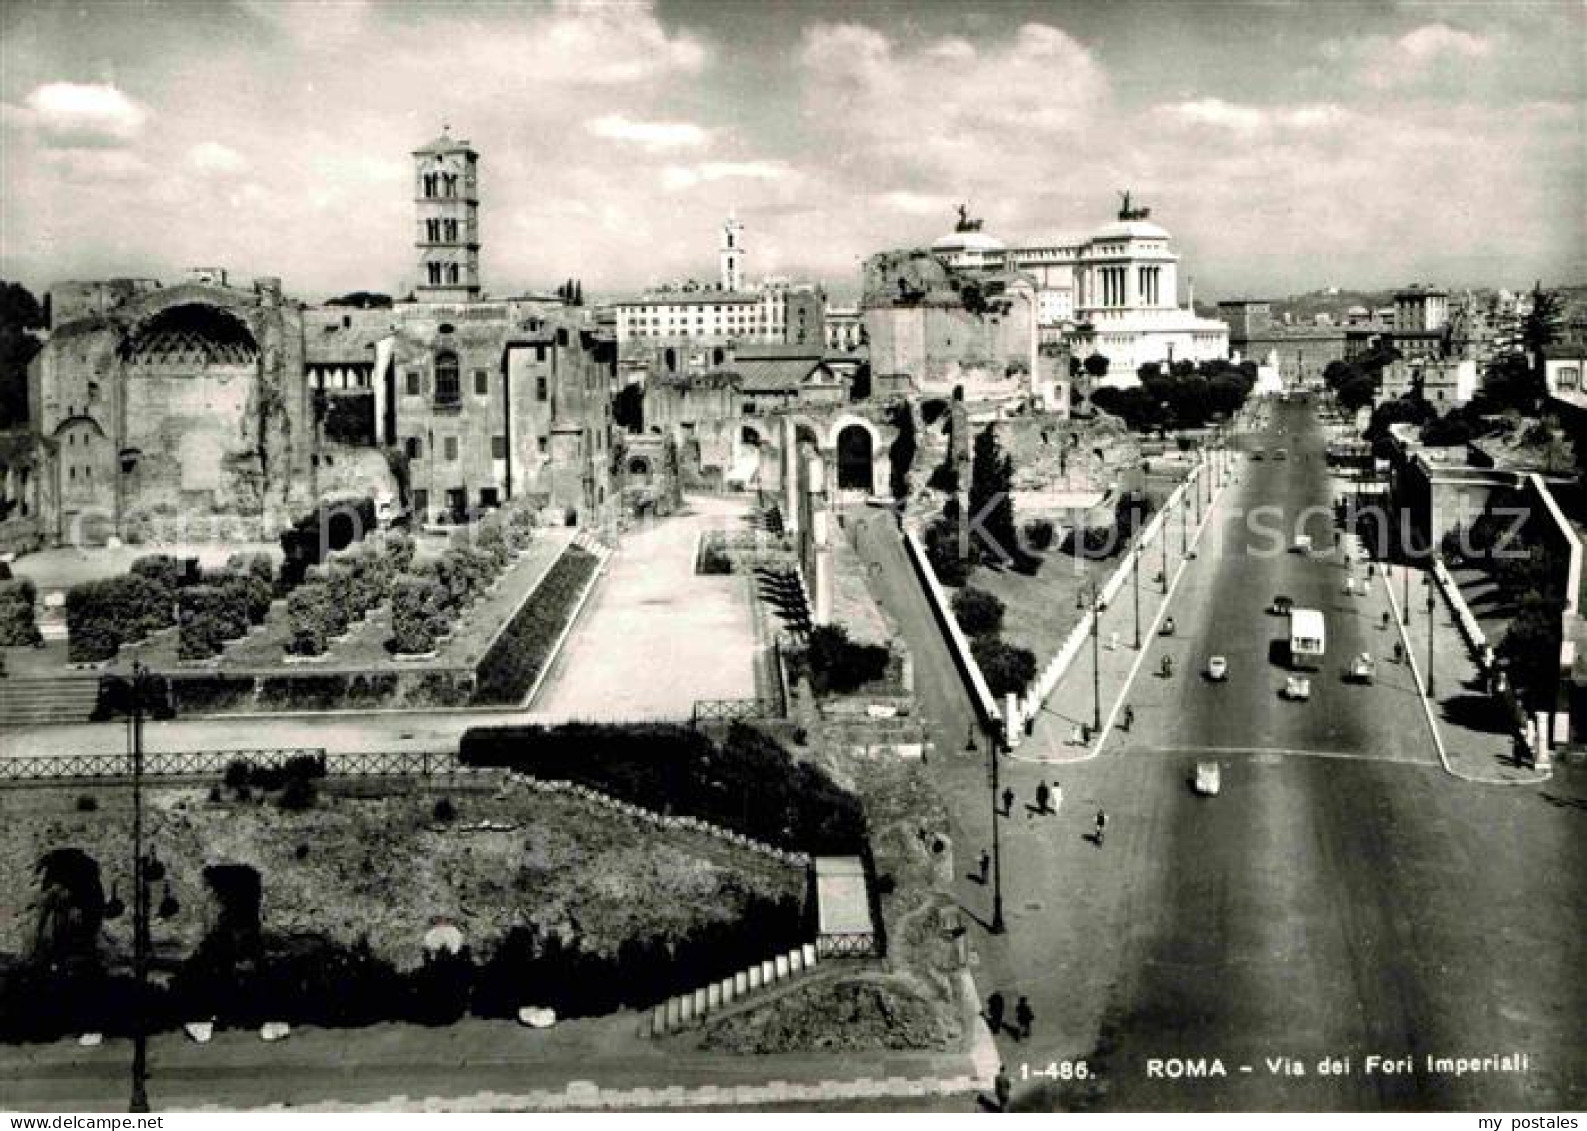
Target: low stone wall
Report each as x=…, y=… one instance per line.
x=662, y=820
x=949, y=624
x=686, y=1010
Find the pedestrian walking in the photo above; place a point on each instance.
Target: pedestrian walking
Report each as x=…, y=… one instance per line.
x=994, y=1012
x=1129, y=717
x=1024, y=1016
x=1008, y=801
x=1057, y=797
x=1042, y=797
x=1102, y=824
x=1003, y=1088
x=986, y=864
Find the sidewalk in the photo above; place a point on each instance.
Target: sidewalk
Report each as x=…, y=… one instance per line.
x=1073, y=702
x=473, y=1065
x=1473, y=737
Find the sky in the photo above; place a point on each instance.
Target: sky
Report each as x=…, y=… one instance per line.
x=1287, y=146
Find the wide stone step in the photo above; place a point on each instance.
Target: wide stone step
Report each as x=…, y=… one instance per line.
x=31, y=702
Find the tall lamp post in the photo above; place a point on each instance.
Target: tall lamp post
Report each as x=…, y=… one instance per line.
x=1405, y=592
x=1089, y=595
x=1162, y=545
x=140, y=899
x=1136, y=571
x=994, y=746
x=1431, y=585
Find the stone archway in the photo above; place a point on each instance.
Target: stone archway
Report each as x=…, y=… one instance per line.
x=856, y=459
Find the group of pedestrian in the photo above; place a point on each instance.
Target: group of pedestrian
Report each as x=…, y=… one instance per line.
x=1049, y=799
x=1024, y=1016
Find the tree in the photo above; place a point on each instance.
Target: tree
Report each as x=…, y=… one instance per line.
x=363, y=300
x=628, y=408
x=1540, y=328
x=1096, y=365
x=1511, y=383
x=978, y=612
x=992, y=499
x=1008, y=669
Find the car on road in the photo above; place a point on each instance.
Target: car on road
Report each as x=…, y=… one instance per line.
x=1301, y=545
x=1217, y=669
x=1207, y=780
x=1280, y=453
x=1282, y=606
x=1363, y=669
x=1297, y=688
x=1258, y=453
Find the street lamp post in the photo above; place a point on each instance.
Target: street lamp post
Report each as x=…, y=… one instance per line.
x=1090, y=596
x=1431, y=585
x=140, y=902
x=1184, y=526
x=994, y=748
x=1136, y=570
x=1405, y=594
x=1162, y=545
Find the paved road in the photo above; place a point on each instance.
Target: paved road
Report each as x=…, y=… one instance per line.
x=1350, y=906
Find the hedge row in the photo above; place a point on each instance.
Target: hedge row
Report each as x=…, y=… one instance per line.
x=220, y=608
x=310, y=980
x=346, y=588
x=18, y=625
x=519, y=654
x=748, y=784
x=101, y=616
x=427, y=601
x=220, y=693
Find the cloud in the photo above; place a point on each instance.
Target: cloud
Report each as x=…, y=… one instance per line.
x=686, y=176
x=1251, y=119
x=651, y=135
x=70, y=115
x=1429, y=52
x=211, y=158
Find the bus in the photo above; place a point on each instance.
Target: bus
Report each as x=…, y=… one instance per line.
x=1307, y=638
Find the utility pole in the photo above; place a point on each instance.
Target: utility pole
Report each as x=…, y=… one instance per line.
x=140, y=905
x=993, y=745
x=1431, y=585
x=1096, y=663
x=1162, y=545
x=1136, y=570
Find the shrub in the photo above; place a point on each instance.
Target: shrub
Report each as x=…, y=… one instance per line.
x=714, y=559
x=1008, y=670
x=255, y=564
x=202, y=636
x=297, y=795
x=312, y=619
x=418, y=614
x=400, y=549
x=520, y=528
x=978, y=612
x=18, y=624
x=237, y=773
x=333, y=525
x=162, y=569
x=518, y=655
x=1039, y=533
x=87, y=803
x=444, y=810
x=942, y=551
x=103, y=615
x=493, y=542
x=838, y=664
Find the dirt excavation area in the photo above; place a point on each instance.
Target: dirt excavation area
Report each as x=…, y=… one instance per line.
x=387, y=867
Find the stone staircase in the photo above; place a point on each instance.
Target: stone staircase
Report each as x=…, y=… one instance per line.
x=54, y=699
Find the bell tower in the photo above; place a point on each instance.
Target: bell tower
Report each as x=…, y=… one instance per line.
x=732, y=255
x=446, y=198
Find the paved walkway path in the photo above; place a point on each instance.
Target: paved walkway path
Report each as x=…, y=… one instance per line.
x=1473, y=737
x=475, y=1065
x=656, y=636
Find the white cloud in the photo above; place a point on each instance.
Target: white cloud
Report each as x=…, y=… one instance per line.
x=1251, y=119
x=1433, y=50
x=211, y=158
x=71, y=115
x=685, y=176
x=652, y=135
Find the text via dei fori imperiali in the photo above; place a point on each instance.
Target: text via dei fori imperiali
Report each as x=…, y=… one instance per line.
x=1372, y=1064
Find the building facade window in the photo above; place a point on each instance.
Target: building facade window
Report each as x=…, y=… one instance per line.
x=415, y=448
x=451, y=449
x=482, y=382
x=415, y=383
x=541, y=389
x=448, y=388
x=543, y=444
x=498, y=447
